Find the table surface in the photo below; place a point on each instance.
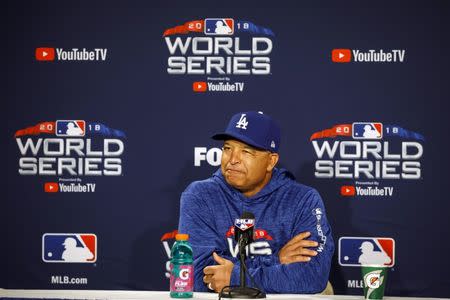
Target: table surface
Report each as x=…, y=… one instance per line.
x=150, y=295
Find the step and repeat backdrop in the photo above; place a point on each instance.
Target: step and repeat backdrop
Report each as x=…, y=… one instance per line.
x=110, y=108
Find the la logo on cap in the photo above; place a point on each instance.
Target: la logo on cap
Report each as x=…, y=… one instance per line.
x=272, y=144
x=242, y=123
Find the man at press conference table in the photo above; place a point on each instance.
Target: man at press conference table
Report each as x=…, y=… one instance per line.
x=293, y=245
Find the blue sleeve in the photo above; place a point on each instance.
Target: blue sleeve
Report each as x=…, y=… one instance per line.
x=310, y=277
x=197, y=220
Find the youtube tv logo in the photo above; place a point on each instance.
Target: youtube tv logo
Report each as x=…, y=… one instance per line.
x=348, y=190
x=51, y=187
x=368, y=56
x=199, y=86
x=341, y=55
x=45, y=54
x=73, y=54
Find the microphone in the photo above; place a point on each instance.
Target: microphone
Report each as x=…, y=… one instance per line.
x=243, y=229
x=243, y=234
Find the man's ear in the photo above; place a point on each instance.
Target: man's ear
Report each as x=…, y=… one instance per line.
x=273, y=160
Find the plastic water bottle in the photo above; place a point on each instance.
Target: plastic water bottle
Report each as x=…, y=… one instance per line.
x=182, y=269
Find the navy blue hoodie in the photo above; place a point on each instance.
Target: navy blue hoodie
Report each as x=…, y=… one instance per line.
x=282, y=209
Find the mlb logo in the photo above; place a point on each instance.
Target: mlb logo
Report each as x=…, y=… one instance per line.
x=69, y=248
x=70, y=128
x=219, y=26
x=357, y=251
x=367, y=130
x=244, y=224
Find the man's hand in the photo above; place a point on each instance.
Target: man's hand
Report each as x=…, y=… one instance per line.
x=218, y=276
x=296, y=249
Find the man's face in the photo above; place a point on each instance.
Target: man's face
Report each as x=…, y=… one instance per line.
x=246, y=168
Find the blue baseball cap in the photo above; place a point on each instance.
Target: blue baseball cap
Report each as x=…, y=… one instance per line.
x=253, y=128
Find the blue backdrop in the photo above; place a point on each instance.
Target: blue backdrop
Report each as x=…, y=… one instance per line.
x=145, y=131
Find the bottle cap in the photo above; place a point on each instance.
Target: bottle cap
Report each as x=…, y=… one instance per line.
x=182, y=237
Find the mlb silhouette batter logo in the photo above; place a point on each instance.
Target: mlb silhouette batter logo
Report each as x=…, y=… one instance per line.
x=69, y=248
x=367, y=130
x=219, y=26
x=357, y=251
x=70, y=128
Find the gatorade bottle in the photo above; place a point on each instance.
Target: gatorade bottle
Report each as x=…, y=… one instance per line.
x=182, y=270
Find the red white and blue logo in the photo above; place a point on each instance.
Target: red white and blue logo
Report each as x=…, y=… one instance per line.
x=244, y=224
x=368, y=151
x=357, y=251
x=218, y=46
x=70, y=128
x=216, y=26
x=70, y=148
x=367, y=130
x=69, y=248
x=261, y=244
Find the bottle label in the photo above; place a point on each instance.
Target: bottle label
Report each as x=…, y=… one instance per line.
x=181, y=278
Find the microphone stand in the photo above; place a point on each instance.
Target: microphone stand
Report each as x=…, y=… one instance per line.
x=241, y=291
x=242, y=257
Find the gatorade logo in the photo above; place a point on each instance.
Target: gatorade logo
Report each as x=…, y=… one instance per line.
x=45, y=54
x=181, y=281
x=374, y=279
x=341, y=55
x=184, y=274
x=348, y=190
x=199, y=86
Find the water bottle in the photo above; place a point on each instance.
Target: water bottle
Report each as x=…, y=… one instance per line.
x=181, y=268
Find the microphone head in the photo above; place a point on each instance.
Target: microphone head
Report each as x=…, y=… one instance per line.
x=244, y=226
x=247, y=215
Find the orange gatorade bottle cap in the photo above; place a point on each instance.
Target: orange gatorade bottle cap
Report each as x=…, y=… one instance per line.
x=182, y=237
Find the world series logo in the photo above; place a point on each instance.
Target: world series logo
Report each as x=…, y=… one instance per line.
x=70, y=150
x=218, y=48
x=366, y=153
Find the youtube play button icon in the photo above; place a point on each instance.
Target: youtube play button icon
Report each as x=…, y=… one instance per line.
x=51, y=187
x=348, y=190
x=199, y=86
x=45, y=54
x=341, y=55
